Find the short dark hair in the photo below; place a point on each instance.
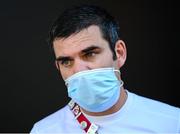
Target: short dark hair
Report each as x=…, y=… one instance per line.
x=75, y=19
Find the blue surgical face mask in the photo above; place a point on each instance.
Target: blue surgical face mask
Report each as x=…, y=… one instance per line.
x=94, y=90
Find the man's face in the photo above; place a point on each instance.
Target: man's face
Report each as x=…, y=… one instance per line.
x=83, y=51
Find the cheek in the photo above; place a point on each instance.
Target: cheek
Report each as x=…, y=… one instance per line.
x=104, y=61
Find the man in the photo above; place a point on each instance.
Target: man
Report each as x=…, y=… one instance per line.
x=89, y=53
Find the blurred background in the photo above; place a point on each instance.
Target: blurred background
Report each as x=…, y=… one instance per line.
x=31, y=87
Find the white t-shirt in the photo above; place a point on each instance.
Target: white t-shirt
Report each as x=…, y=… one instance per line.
x=138, y=115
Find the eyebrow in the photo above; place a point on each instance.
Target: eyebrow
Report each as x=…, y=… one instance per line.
x=90, y=49
x=63, y=58
x=86, y=50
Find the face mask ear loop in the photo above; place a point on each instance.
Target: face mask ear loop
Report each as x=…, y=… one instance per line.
x=116, y=70
x=121, y=82
x=119, y=73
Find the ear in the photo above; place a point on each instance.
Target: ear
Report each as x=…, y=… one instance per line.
x=57, y=65
x=121, y=53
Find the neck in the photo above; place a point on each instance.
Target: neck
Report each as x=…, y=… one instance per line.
x=116, y=107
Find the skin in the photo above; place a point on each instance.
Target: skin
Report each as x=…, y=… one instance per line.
x=88, y=50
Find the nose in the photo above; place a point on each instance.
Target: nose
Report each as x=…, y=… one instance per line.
x=80, y=65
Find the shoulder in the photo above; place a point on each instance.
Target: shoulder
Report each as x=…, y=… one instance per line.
x=53, y=122
x=157, y=106
x=155, y=113
x=54, y=117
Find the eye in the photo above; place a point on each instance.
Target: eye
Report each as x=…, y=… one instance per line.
x=89, y=55
x=66, y=63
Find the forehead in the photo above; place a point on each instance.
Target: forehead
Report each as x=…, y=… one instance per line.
x=85, y=38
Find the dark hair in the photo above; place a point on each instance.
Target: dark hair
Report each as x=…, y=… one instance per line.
x=75, y=19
